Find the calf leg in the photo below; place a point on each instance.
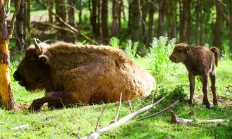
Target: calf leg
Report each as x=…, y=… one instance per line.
x=192, y=88
x=213, y=87
x=205, y=90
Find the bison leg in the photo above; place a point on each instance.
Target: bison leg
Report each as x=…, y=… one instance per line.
x=54, y=99
x=205, y=90
x=213, y=87
x=37, y=103
x=192, y=88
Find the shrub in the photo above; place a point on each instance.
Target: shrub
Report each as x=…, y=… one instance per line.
x=160, y=50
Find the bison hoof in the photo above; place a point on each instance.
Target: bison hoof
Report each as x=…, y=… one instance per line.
x=191, y=103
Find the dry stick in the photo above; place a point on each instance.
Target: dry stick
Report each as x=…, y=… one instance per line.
x=116, y=117
x=121, y=121
x=130, y=106
x=174, y=119
x=66, y=24
x=11, y=28
x=100, y=117
x=152, y=102
x=170, y=106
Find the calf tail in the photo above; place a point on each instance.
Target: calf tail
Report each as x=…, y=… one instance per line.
x=215, y=51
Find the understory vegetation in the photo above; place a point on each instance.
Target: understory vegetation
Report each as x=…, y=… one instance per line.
x=172, y=82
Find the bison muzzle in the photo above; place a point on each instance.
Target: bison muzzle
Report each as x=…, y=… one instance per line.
x=72, y=74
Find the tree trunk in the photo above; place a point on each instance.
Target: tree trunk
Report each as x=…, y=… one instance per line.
x=50, y=7
x=115, y=18
x=151, y=22
x=134, y=20
x=231, y=27
x=94, y=17
x=182, y=21
x=143, y=20
x=21, y=27
x=61, y=11
x=6, y=93
x=188, y=21
x=171, y=16
x=197, y=22
x=201, y=23
x=80, y=11
x=161, y=4
x=71, y=37
x=218, y=28
x=104, y=19
x=28, y=22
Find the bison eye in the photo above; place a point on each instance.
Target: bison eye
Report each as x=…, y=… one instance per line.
x=179, y=51
x=30, y=61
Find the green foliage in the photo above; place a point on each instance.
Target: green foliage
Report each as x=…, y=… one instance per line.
x=114, y=42
x=131, y=49
x=159, y=54
x=178, y=94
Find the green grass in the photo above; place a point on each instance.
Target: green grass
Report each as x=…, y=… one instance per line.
x=70, y=122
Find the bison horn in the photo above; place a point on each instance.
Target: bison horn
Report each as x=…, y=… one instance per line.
x=38, y=49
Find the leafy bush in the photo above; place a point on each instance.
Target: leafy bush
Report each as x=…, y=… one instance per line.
x=160, y=50
x=178, y=94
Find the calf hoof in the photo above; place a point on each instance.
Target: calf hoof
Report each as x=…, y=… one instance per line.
x=208, y=106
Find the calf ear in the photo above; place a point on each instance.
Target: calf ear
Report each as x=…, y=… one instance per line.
x=44, y=59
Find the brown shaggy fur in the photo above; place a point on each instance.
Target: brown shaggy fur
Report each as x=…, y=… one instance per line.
x=198, y=61
x=86, y=73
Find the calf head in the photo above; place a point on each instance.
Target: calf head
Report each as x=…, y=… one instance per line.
x=180, y=53
x=33, y=70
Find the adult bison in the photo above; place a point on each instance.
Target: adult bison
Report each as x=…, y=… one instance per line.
x=70, y=74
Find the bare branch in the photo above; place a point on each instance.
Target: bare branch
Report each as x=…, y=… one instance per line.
x=174, y=119
x=66, y=24
x=130, y=106
x=8, y=8
x=100, y=117
x=121, y=121
x=170, y=106
x=11, y=28
x=59, y=27
x=116, y=117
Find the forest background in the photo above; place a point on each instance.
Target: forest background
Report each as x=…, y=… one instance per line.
x=148, y=31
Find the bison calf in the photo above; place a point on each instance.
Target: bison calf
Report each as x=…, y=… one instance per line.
x=198, y=61
x=70, y=74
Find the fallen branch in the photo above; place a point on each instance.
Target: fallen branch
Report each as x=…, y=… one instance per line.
x=121, y=121
x=170, y=106
x=21, y=127
x=100, y=117
x=174, y=119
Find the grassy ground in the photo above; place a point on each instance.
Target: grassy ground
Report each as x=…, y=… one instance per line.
x=70, y=122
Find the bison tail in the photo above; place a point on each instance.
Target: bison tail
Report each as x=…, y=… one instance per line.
x=215, y=51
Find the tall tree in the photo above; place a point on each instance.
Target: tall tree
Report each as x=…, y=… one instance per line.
x=188, y=8
x=50, y=7
x=21, y=27
x=230, y=10
x=151, y=22
x=161, y=4
x=61, y=11
x=144, y=5
x=134, y=20
x=197, y=8
x=104, y=19
x=218, y=28
x=6, y=93
x=28, y=16
x=71, y=37
x=115, y=18
x=171, y=16
x=94, y=17
x=80, y=11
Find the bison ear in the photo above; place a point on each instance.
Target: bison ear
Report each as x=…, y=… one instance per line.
x=187, y=49
x=44, y=59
